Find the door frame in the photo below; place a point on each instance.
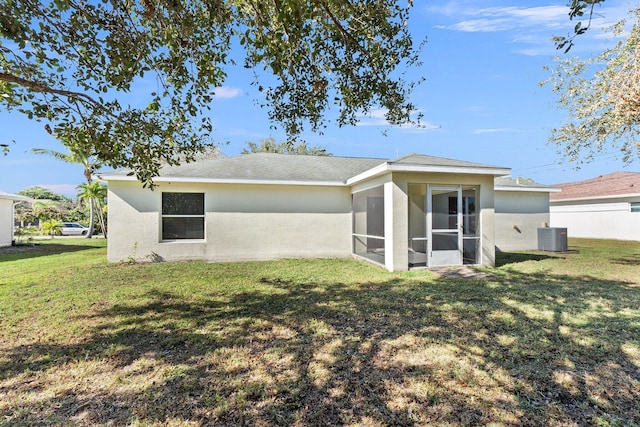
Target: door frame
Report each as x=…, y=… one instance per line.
x=439, y=258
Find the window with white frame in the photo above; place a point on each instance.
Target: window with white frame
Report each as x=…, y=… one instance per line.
x=634, y=207
x=182, y=216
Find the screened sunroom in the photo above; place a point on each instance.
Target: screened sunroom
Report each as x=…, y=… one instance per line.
x=444, y=226
x=414, y=214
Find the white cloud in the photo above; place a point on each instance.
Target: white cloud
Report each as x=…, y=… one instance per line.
x=377, y=118
x=530, y=27
x=374, y=118
x=478, y=110
x=506, y=18
x=227, y=92
x=491, y=130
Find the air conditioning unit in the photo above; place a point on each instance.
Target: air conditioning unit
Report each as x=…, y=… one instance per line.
x=552, y=239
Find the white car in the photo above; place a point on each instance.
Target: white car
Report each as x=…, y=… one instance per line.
x=73, y=229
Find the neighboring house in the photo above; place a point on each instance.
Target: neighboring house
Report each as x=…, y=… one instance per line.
x=606, y=207
x=400, y=214
x=522, y=206
x=7, y=214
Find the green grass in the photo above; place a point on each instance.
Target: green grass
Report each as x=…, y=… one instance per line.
x=545, y=339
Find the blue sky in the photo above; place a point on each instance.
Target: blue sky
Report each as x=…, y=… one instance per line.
x=481, y=100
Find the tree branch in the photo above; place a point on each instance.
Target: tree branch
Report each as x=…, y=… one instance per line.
x=345, y=34
x=43, y=88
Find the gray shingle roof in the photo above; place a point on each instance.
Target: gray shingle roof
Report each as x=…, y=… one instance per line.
x=273, y=167
x=517, y=183
x=424, y=160
x=284, y=167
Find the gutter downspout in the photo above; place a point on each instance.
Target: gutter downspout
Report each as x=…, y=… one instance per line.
x=13, y=221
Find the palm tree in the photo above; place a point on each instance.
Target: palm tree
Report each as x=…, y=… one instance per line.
x=51, y=227
x=79, y=156
x=94, y=193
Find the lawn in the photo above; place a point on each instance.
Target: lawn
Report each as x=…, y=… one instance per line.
x=541, y=339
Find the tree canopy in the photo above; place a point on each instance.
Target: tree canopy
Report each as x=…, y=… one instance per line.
x=41, y=193
x=75, y=155
x=269, y=145
x=67, y=63
x=602, y=97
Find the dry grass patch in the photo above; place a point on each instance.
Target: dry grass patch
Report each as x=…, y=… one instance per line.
x=542, y=339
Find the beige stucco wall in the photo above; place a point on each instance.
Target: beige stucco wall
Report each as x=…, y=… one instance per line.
x=6, y=222
x=252, y=222
x=518, y=215
x=242, y=222
x=396, y=230
x=599, y=219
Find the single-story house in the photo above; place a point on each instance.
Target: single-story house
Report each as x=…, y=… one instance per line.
x=521, y=207
x=415, y=211
x=606, y=207
x=7, y=214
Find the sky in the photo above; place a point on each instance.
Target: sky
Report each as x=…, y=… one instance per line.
x=481, y=100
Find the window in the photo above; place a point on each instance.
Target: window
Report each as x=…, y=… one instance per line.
x=635, y=206
x=182, y=216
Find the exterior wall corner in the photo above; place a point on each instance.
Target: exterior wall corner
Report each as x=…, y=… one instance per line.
x=396, y=227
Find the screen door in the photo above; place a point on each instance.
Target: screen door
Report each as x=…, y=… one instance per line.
x=444, y=214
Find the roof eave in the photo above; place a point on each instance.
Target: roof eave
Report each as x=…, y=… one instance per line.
x=467, y=170
x=608, y=197
x=15, y=197
x=369, y=174
x=177, y=179
x=530, y=189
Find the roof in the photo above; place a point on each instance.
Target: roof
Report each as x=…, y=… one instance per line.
x=315, y=170
x=267, y=167
x=424, y=160
x=14, y=197
x=604, y=186
x=519, y=184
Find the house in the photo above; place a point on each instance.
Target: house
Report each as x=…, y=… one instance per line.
x=521, y=207
x=7, y=213
x=606, y=207
x=401, y=213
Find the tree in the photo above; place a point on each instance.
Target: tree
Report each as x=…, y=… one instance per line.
x=94, y=193
x=269, y=145
x=46, y=205
x=602, y=97
x=45, y=210
x=76, y=155
x=40, y=193
x=51, y=227
x=26, y=216
x=79, y=156
x=68, y=63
